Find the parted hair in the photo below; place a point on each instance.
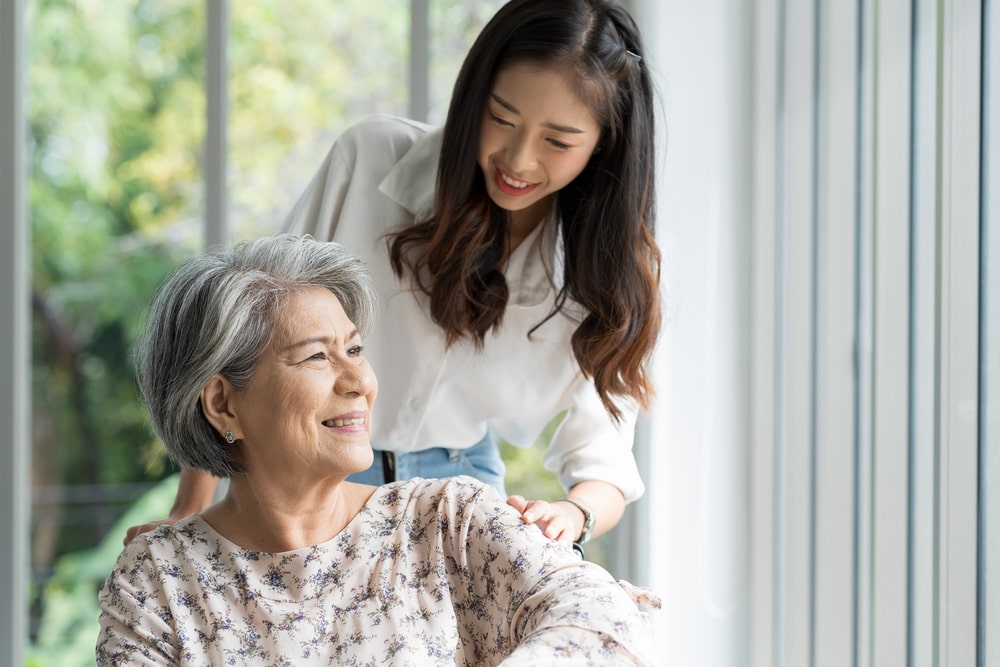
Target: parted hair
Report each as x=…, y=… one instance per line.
x=606, y=215
x=216, y=314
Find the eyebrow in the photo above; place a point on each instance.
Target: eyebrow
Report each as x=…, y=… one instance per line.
x=319, y=339
x=552, y=126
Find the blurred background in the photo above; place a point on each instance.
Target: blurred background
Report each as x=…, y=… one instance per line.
x=823, y=456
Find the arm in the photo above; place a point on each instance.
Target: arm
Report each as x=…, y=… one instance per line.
x=592, y=456
x=195, y=492
x=133, y=632
x=540, y=595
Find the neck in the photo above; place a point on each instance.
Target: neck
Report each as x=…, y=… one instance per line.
x=521, y=223
x=264, y=517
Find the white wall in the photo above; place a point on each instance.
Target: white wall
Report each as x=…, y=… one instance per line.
x=697, y=436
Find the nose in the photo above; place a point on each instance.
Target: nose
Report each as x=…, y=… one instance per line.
x=357, y=380
x=521, y=153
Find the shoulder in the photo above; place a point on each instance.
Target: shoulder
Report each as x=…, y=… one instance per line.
x=434, y=493
x=188, y=537
x=387, y=135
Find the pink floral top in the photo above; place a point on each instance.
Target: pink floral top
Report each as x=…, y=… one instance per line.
x=430, y=572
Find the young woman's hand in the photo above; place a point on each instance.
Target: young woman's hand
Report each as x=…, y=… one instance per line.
x=131, y=533
x=560, y=521
x=563, y=521
x=195, y=490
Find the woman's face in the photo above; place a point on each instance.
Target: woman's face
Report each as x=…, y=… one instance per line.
x=308, y=405
x=537, y=135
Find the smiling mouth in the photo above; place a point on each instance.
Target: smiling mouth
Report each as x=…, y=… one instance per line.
x=356, y=421
x=513, y=182
x=512, y=186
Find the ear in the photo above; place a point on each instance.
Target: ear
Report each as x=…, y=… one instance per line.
x=216, y=404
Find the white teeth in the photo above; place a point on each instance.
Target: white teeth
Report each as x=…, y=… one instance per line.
x=345, y=422
x=511, y=182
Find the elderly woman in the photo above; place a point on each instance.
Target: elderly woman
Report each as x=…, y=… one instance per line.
x=252, y=368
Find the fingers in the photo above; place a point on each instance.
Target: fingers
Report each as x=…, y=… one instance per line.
x=517, y=502
x=554, y=520
x=133, y=531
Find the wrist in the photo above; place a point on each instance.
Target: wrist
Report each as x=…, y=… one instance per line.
x=589, y=519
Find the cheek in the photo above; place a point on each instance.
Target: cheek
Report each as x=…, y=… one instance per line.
x=487, y=143
x=571, y=167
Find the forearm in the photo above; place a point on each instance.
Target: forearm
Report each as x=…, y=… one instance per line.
x=195, y=492
x=581, y=615
x=604, y=499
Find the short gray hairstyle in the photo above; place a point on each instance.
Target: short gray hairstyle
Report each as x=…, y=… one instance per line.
x=215, y=315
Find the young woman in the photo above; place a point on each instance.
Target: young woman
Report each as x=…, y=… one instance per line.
x=514, y=253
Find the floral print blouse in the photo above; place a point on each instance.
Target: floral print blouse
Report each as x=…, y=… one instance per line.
x=430, y=572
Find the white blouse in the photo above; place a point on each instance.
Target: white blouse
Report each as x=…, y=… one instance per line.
x=430, y=572
x=380, y=175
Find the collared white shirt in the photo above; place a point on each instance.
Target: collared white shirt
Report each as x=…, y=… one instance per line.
x=380, y=175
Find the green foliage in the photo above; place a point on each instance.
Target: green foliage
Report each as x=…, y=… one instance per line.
x=69, y=625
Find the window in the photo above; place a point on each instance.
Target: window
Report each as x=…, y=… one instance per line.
x=122, y=164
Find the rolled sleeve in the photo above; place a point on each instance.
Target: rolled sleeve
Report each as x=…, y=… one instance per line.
x=590, y=445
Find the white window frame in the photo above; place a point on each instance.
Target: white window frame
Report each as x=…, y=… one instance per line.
x=15, y=351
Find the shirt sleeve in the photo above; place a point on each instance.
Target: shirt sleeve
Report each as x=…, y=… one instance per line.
x=590, y=445
x=553, y=605
x=318, y=208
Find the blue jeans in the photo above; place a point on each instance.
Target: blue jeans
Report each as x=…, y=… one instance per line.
x=481, y=461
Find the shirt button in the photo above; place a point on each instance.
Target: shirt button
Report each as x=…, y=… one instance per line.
x=415, y=402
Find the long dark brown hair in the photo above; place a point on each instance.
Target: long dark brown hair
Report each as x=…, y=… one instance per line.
x=606, y=215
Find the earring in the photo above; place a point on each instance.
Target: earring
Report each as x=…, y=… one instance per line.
x=230, y=438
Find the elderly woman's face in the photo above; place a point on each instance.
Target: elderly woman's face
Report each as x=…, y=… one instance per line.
x=310, y=399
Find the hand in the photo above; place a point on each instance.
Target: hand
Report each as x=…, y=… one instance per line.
x=195, y=491
x=562, y=522
x=133, y=531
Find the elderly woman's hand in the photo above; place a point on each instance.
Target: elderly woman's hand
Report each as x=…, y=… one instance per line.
x=559, y=521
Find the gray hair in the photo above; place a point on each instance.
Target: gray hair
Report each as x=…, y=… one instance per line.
x=215, y=315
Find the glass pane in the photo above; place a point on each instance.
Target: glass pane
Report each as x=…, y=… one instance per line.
x=455, y=25
x=300, y=73
x=117, y=123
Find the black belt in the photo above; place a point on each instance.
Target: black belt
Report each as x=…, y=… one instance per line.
x=388, y=466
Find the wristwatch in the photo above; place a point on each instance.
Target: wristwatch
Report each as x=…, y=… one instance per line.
x=588, y=519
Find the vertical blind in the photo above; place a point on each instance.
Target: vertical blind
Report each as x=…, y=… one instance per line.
x=874, y=420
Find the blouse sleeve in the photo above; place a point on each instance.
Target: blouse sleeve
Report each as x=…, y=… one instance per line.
x=553, y=605
x=133, y=626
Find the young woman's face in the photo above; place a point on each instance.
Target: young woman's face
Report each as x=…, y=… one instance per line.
x=536, y=136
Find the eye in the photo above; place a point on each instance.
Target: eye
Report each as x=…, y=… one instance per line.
x=355, y=350
x=501, y=121
x=555, y=143
x=319, y=356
